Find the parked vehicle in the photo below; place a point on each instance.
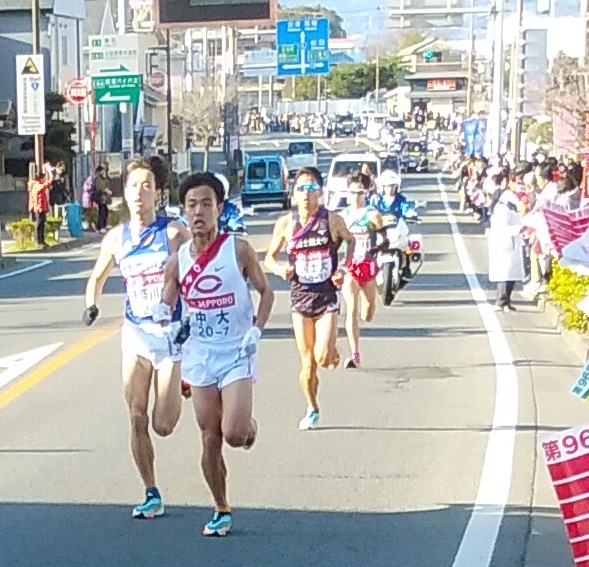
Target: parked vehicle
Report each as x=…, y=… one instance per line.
x=266, y=181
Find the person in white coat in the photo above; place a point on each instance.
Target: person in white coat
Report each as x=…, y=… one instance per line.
x=506, y=262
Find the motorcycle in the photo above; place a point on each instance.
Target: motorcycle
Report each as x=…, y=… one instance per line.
x=402, y=258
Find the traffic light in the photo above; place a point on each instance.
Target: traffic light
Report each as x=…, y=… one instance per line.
x=532, y=71
x=430, y=56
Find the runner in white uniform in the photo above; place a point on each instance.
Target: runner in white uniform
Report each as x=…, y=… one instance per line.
x=360, y=289
x=219, y=360
x=141, y=247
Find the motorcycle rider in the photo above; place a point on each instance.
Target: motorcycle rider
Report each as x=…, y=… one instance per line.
x=363, y=223
x=389, y=200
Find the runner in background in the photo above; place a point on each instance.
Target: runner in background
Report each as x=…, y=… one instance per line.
x=313, y=236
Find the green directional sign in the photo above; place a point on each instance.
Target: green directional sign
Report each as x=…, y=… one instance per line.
x=116, y=89
x=288, y=53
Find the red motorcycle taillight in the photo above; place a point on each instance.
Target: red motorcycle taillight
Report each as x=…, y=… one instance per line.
x=415, y=245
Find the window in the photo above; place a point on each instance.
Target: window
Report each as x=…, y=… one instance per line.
x=345, y=168
x=64, y=50
x=256, y=171
x=300, y=148
x=274, y=170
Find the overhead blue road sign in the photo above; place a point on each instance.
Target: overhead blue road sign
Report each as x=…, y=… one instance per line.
x=302, y=46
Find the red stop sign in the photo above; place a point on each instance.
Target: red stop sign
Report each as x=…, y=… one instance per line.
x=76, y=91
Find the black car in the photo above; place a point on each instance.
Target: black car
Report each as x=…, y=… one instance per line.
x=342, y=126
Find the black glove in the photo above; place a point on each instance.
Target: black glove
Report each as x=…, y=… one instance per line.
x=90, y=315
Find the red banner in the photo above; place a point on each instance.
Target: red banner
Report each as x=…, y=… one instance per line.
x=567, y=457
x=565, y=225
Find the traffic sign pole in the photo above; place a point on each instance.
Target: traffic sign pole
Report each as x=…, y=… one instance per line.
x=36, y=29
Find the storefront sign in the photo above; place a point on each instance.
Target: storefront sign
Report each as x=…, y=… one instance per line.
x=441, y=85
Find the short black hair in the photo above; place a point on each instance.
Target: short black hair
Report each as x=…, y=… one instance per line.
x=311, y=172
x=199, y=179
x=546, y=173
x=159, y=168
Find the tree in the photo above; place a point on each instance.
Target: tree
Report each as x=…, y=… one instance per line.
x=336, y=22
x=57, y=142
x=567, y=100
x=305, y=88
x=412, y=37
x=355, y=80
x=200, y=112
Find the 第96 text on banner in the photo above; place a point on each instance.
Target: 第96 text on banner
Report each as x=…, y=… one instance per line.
x=581, y=386
x=567, y=457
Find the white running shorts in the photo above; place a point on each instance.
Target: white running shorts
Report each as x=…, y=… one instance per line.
x=151, y=342
x=203, y=365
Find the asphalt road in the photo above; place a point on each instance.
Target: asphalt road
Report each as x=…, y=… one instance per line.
x=398, y=470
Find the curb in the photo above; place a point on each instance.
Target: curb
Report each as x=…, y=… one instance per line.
x=577, y=342
x=90, y=238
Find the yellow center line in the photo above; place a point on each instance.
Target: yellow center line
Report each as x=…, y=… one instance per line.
x=56, y=362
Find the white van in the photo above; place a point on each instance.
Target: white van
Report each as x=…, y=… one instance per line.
x=336, y=186
x=301, y=153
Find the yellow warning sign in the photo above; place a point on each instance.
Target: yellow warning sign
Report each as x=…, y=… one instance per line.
x=30, y=68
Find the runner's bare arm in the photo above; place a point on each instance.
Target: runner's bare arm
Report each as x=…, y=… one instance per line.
x=276, y=244
x=171, y=283
x=339, y=231
x=248, y=260
x=104, y=265
x=178, y=234
x=375, y=220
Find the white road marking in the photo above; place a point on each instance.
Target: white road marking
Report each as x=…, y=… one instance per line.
x=18, y=364
x=478, y=542
x=326, y=146
x=27, y=269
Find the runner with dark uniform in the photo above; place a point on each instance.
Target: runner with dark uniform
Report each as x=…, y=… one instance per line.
x=313, y=236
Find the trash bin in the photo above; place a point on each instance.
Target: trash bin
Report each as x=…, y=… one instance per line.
x=74, y=219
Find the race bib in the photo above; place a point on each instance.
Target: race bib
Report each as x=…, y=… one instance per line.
x=144, y=291
x=313, y=267
x=363, y=245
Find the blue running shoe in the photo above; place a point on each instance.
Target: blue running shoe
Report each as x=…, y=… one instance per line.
x=219, y=525
x=310, y=420
x=151, y=508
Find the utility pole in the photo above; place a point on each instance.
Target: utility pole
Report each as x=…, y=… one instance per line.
x=169, y=95
x=36, y=29
x=125, y=109
x=516, y=121
x=377, y=77
x=496, y=110
x=318, y=93
x=469, y=93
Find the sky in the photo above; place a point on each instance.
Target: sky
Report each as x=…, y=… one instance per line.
x=361, y=16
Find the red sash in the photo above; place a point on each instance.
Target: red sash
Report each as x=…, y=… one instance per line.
x=202, y=262
x=303, y=231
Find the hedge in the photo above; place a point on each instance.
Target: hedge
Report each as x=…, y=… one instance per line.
x=566, y=289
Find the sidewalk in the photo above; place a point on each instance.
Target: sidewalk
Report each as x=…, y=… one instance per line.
x=65, y=242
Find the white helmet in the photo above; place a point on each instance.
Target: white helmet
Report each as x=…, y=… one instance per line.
x=388, y=177
x=225, y=183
